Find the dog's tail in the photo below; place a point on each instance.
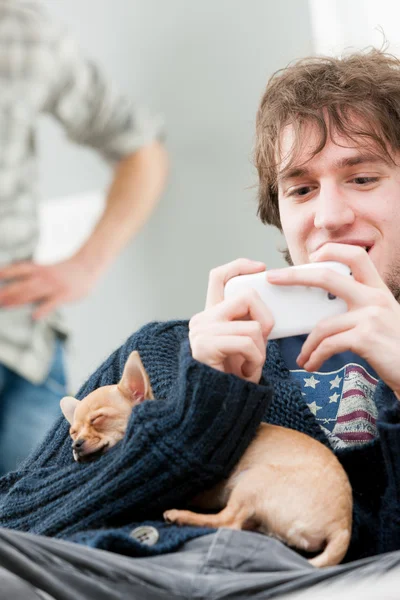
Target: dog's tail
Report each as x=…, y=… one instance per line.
x=335, y=549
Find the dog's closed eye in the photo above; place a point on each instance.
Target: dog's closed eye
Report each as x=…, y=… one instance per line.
x=97, y=420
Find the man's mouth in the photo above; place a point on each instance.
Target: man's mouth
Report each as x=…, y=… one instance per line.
x=366, y=247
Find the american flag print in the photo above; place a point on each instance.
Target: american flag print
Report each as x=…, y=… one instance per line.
x=342, y=402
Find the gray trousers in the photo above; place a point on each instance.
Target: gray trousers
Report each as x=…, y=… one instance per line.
x=229, y=564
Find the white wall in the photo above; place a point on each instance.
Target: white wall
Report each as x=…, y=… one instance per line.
x=340, y=25
x=204, y=66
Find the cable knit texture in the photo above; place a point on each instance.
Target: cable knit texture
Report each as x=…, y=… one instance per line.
x=185, y=440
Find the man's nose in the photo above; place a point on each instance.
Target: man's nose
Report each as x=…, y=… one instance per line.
x=332, y=211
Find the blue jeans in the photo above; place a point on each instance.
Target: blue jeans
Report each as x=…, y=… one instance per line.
x=27, y=411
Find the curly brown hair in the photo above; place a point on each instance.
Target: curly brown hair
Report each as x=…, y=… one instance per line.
x=356, y=96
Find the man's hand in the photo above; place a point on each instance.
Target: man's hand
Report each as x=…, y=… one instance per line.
x=370, y=328
x=48, y=286
x=231, y=335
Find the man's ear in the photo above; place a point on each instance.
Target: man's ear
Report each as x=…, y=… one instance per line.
x=135, y=383
x=68, y=405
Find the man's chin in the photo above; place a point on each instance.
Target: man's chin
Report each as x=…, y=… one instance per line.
x=394, y=287
x=392, y=280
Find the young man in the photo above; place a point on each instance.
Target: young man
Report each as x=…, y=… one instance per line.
x=43, y=72
x=328, y=144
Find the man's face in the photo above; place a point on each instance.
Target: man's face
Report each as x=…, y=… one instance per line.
x=344, y=194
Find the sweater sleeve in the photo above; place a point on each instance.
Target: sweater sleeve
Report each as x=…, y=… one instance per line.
x=174, y=446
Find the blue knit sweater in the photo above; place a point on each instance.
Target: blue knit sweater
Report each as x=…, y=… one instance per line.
x=187, y=439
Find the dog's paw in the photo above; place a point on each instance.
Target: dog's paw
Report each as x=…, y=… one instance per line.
x=171, y=516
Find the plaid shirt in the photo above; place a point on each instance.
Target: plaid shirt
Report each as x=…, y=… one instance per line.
x=42, y=71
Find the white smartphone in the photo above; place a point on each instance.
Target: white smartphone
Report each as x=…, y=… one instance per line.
x=296, y=309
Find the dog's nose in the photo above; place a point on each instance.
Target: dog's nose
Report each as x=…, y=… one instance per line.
x=77, y=445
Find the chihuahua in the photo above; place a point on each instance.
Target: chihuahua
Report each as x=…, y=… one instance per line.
x=286, y=484
x=99, y=421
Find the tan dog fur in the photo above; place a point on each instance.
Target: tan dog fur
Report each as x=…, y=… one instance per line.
x=99, y=421
x=286, y=484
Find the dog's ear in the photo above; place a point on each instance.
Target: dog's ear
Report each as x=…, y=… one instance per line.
x=135, y=383
x=68, y=405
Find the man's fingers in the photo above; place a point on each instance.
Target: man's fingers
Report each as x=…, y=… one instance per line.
x=23, y=292
x=364, y=323
x=247, y=305
x=354, y=257
x=347, y=288
x=335, y=344
x=325, y=329
x=220, y=276
x=251, y=329
x=15, y=270
x=45, y=308
x=214, y=350
x=231, y=335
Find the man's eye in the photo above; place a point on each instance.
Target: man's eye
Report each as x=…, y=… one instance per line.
x=302, y=191
x=365, y=180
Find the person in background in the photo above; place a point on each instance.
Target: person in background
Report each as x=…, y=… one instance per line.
x=42, y=71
